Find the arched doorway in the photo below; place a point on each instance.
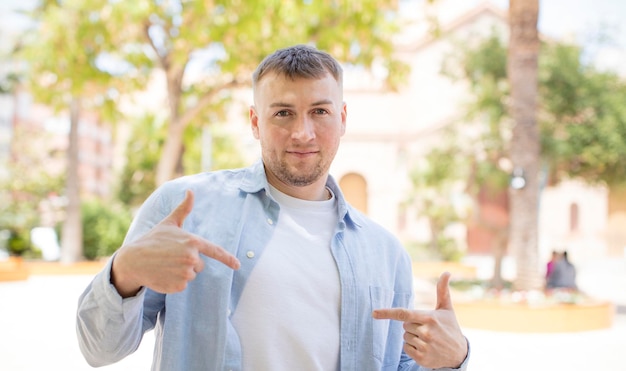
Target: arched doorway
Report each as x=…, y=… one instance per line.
x=354, y=188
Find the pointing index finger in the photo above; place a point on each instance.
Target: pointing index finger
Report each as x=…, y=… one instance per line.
x=219, y=253
x=397, y=314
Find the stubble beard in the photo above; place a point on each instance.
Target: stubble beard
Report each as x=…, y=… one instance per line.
x=293, y=177
x=298, y=175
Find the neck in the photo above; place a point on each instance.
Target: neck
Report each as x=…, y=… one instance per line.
x=313, y=192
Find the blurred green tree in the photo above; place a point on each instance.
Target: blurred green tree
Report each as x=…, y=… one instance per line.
x=104, y=228
x=582, y=123
x=26, y=182
x=63, y=54
x=582, y=120
x=137, y=179
x=434, y=186
x=85, y=55
x=203, y=50
x=142, y=153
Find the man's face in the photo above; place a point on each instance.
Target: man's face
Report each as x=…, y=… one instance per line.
x=299, y=124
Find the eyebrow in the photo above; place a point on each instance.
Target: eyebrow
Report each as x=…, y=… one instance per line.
x=289, y=105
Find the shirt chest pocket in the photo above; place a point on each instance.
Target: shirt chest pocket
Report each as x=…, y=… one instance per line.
x=386, y=334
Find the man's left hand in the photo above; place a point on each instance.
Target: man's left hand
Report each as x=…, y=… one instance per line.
x=433, y=338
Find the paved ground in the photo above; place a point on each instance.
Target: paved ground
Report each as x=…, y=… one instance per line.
x=37, y=332
x=37, y=327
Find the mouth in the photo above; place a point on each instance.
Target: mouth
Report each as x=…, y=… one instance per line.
x=302, y=153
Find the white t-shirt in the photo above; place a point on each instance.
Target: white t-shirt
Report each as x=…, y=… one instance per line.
x=288, y=315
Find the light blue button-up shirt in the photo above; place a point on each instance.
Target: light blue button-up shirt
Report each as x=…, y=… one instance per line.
x=233, y=209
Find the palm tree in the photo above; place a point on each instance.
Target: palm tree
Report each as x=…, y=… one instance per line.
x=525, y=145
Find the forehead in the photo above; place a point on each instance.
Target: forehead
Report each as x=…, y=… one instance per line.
x=282, y=87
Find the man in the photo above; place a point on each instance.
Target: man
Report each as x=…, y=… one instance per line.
x=268, y=267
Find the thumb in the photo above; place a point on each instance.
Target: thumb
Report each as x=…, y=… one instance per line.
x=443, y=292
x=178, y=215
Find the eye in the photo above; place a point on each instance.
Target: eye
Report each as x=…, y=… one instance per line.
x=320, y=111
x=283, y=113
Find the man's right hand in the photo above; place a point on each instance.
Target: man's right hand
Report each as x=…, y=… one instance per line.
x=166, y=258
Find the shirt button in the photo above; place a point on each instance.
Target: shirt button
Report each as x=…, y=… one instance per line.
x=228, y=312
x=270, y=221
x=250, y=254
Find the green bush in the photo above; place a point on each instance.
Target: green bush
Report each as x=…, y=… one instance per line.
x=18, y=243
x=104, y=228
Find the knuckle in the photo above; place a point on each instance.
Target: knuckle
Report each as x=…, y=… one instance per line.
x=407, y=337
x=426, y=334
x=429, y=318
x=199, y=266
x=411, y=351
x=188, y=275
x=403, y=315
x=189, y=256
x=181, y=286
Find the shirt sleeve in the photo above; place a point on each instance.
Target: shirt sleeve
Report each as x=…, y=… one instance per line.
x=108, y=327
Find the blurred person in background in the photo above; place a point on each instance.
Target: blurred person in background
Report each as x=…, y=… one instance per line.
x=563, y=275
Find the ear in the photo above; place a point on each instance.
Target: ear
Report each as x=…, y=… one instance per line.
x=254, y=122
x=344, y=115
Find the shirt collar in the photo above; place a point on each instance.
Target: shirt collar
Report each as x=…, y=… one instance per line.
x=255, y=181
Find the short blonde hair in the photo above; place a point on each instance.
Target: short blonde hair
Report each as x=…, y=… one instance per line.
x=299, y=61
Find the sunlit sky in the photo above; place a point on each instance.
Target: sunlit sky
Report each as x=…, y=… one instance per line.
x=581, y=20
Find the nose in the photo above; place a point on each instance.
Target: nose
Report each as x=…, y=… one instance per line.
x=303, y=129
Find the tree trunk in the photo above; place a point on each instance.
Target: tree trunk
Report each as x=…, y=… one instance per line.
x=170, y=163
x=72, y=235
x=499, y=251
x=173, y=146
x=171, y=153
x=525, y=146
